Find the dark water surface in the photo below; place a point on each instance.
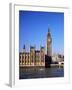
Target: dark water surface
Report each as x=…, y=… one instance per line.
x=27, y=73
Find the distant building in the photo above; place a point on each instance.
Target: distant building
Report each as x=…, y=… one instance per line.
x=57, y=58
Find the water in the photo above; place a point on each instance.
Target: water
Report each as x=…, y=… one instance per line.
x=27, y=73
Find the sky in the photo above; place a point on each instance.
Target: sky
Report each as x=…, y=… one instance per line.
x=33, y=29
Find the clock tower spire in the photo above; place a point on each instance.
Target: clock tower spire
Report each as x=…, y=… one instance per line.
x=49, y=43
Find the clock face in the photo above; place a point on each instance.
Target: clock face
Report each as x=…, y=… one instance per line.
x=49, y=40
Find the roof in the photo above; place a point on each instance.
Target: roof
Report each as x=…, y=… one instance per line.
x=37, y=51
x=32, y=47
x=42, y=47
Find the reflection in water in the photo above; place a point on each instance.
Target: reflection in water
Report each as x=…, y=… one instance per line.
x=26, y=73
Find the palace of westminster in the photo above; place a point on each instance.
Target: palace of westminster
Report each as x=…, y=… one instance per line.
x=36, y=57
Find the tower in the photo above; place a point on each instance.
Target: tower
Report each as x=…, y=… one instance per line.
x=23, y=56
x=32, y=55
x=49, y=43
x=42, y=55
x=24, y=49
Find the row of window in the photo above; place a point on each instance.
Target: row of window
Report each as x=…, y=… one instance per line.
x=28, y=61
x=31, y=56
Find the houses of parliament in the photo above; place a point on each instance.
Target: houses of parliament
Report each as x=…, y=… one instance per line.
x=36, y=57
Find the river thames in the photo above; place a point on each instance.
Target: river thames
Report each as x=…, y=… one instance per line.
x=29, y=73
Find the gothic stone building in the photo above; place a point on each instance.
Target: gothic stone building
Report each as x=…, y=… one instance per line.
x=36, y=57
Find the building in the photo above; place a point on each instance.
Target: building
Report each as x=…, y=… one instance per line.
x=37, y=57
x=42, y=56
x=49, y=43
x=57, y=58
x=32, y=58
x=32, y=55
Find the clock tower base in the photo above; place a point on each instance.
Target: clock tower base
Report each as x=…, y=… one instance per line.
x=48, y=61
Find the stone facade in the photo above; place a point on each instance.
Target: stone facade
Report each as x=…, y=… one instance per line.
x=36, y=57
x=32, y=58
x=49, y=44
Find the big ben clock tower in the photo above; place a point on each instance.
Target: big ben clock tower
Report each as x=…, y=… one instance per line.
x=49, y=43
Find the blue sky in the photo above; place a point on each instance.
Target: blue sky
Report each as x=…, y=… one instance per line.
x=33, y=28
